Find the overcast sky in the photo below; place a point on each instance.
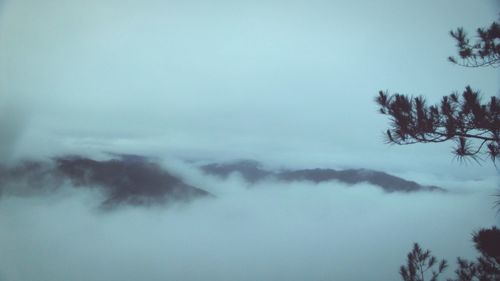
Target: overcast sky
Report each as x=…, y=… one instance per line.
x=284, y=81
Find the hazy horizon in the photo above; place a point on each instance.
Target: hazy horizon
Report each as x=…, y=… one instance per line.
x=286, y=81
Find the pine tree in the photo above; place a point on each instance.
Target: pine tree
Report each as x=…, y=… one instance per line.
x=421, y=264
x=474, y=126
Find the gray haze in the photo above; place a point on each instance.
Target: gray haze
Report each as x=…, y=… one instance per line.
x=285, y=80
x=288, y=83
x=298, y=231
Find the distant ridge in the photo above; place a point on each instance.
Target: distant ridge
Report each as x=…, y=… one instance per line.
x=127, y=180
x=138, y=180
x=253, y=172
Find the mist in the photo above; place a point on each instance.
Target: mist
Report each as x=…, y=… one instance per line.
x=141, y=95
x=266, y=231
x=286, y=81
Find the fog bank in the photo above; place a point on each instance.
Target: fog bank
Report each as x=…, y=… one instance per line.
x=297, y=231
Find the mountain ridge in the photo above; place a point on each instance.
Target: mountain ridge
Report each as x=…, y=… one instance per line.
x=128, y=180
x=253, y=172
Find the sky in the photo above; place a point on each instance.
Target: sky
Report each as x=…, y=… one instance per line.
x=282, y=81
x=288, y=83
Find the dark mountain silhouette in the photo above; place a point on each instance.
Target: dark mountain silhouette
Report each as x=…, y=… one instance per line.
x=137, y=180
x=132, y=180
x=252, y=172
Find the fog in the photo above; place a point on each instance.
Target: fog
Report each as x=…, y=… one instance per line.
x=270, y=231
x=288, y=83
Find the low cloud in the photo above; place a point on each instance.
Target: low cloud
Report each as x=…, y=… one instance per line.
x=273, y=231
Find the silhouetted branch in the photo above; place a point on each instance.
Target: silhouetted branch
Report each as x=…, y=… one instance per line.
x=484, y=52
x=461, y=118
x=418, y=264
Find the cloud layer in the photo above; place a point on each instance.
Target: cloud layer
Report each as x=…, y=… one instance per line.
x=273, y=231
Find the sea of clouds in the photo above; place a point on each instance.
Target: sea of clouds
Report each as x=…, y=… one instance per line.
x=266, y=231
